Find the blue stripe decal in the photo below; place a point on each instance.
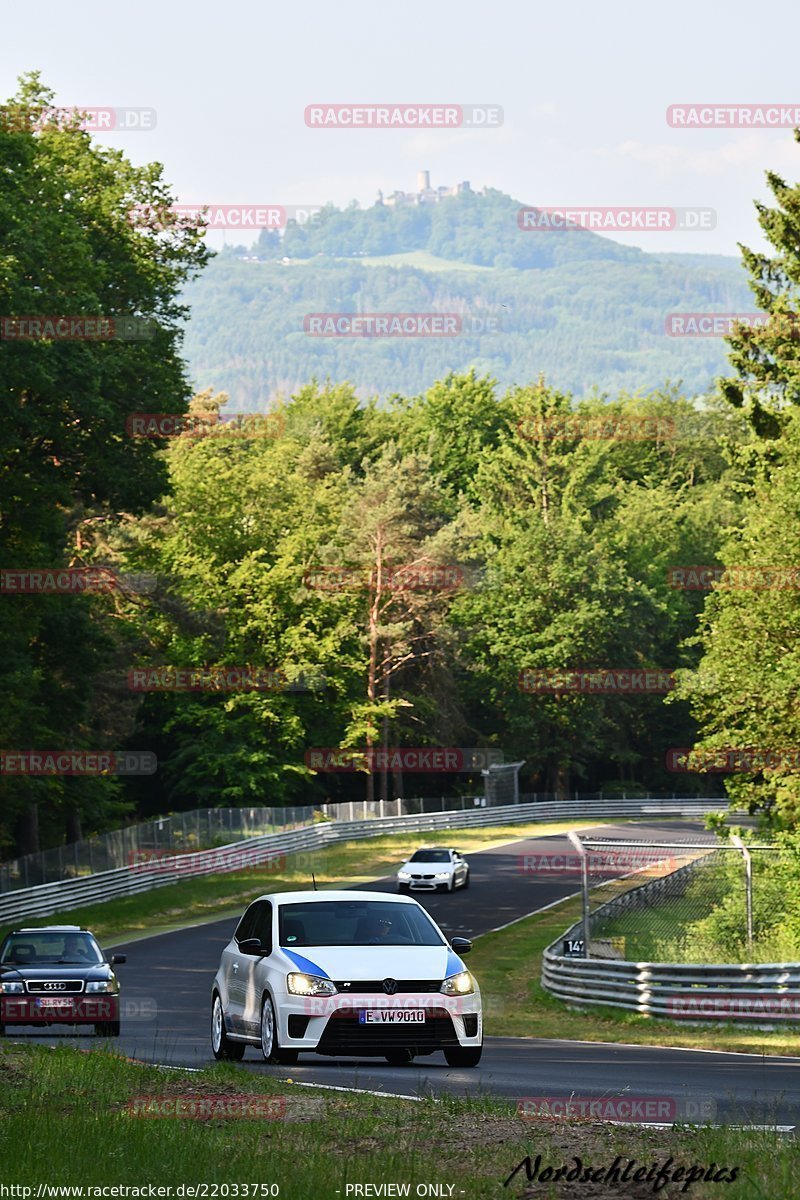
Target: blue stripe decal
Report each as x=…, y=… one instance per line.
x=305, y=964
x=454, y=964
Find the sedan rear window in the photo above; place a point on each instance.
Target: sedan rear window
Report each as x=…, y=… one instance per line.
x=356, y=923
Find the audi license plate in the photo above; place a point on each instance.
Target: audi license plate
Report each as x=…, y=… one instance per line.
x=391, y=1016
x=53, y=1001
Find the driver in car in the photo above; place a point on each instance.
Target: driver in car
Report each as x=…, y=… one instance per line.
x=76, y=950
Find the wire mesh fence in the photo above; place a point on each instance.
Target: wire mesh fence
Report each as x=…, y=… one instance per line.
x=200, y=829
x=690, y=901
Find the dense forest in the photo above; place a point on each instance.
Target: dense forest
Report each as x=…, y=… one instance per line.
x=379, y=574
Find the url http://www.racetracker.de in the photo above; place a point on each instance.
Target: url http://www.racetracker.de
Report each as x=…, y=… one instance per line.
x=143, y=1191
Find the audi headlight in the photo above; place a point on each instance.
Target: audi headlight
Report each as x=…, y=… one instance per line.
x=403, y=874
x=442, y=875
x=101, y=985
x=11, y=989
x=309, y=985
x=458, y=985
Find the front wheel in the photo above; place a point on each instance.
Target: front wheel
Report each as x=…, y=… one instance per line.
x=463, y=1056
x=221, y=1045
x=270, y=1050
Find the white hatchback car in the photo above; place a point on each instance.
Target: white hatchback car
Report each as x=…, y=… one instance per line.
x=433, y=870
x=344, y=973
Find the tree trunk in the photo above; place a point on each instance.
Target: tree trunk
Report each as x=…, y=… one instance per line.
x=73, y=826
x=28, y=835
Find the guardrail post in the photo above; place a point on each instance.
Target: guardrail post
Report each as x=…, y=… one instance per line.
x=748, y=885
x=578, y=844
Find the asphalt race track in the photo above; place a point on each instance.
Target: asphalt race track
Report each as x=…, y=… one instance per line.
x=166, y=1008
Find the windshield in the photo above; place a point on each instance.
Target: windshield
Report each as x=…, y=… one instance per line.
x=38, y=948
x=441, y=856
x=356, y=923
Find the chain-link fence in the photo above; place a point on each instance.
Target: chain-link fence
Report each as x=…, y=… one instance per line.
x=201, y=829
x=696, y=900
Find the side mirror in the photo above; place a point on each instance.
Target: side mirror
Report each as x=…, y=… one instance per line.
x=118, y=959
x=461, y=945
x=253, y=946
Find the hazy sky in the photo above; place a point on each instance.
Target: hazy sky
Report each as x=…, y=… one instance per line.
x=584, y=88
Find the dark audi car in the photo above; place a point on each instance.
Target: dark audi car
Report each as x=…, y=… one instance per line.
x=58, y=975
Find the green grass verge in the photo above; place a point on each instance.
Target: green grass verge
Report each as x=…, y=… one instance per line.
x=67, y=1118
x=195, y=900
x=508, y=967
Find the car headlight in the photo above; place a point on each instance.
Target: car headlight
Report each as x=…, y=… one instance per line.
x=403, y=874
x=442, y=875
x=101, y=985
x=458, y=985
x=309, y=985
x=11, y=989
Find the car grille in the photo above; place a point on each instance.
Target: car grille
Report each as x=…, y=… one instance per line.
x=370, y=986
x=344, y=1035
x=54, y=987
x=421, y=876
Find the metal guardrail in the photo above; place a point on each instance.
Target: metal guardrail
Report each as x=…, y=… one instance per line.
x=752, y=992
x=126, y=881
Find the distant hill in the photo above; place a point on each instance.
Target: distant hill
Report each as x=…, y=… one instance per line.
x=586, y=311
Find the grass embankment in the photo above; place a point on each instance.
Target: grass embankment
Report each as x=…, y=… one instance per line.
x=508, y=967
x=195, y=900
x=67, y=1118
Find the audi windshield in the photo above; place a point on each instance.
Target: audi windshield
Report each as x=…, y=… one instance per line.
x=355, y=923
x=33, y=949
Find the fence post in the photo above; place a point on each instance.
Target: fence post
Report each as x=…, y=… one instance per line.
x=748, y=885
x=578, y=844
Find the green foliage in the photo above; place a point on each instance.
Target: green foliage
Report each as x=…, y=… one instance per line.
x=584, y=310
x=70, y=249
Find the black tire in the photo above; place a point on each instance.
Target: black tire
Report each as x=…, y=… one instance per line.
x=2, y=1031
x=463, y=1056
x=399, y=1058
x=271, y=1052
x=403, y=888
x=465, y=884
x=221, y=1046
x=107, y=1029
